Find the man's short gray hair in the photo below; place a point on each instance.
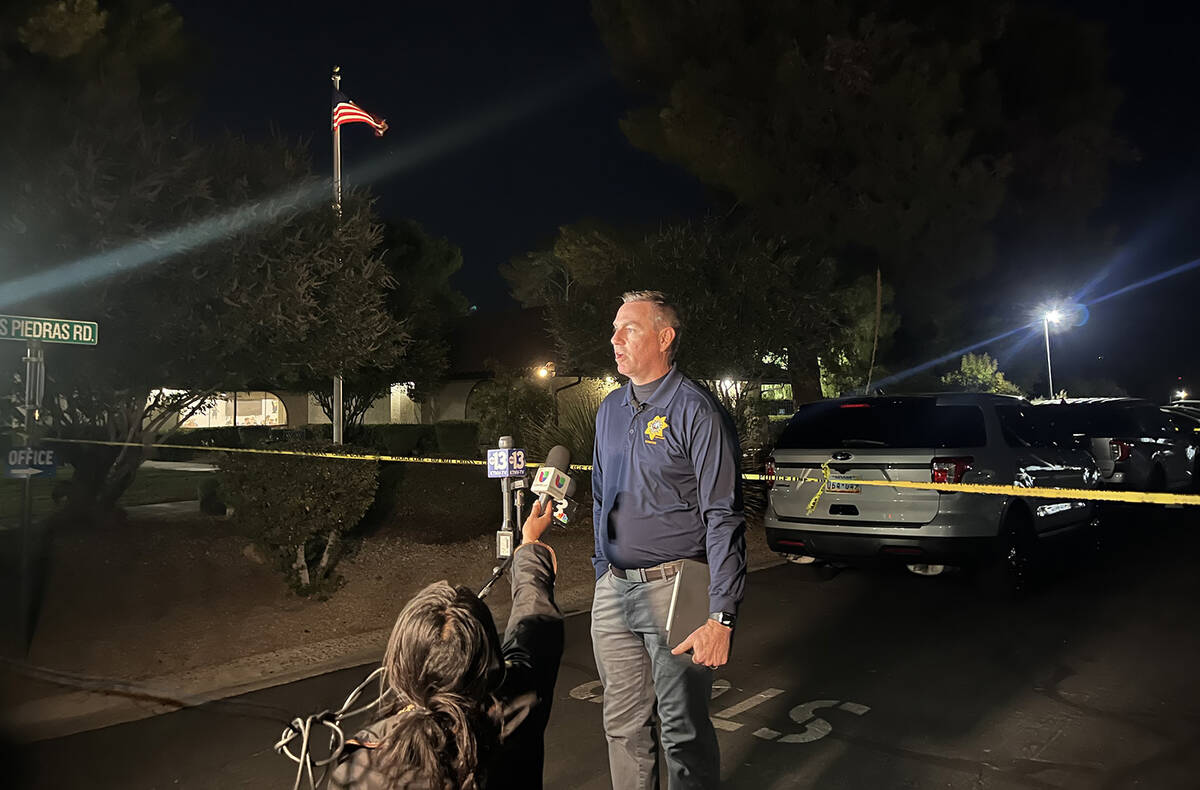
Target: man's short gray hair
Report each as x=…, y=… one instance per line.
x=665, y=314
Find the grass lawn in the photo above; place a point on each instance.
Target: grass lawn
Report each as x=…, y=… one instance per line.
x=151, y=486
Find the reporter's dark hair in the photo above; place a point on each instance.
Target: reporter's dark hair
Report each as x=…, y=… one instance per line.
x=443, y=664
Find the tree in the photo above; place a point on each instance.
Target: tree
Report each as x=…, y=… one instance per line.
x=424, y=302
x=833, y=124
x=749, y=301
x=980, y=373
x=898, y=135
x=262, y=284
x=852, y=362
x=503, y=403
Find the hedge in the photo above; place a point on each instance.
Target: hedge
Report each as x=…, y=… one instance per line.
x=457, y=438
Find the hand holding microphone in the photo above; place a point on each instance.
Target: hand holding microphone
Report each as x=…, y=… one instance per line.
x=538, y=522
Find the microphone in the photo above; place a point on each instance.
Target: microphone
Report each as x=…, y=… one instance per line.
x=552, y=476
x=567, y=509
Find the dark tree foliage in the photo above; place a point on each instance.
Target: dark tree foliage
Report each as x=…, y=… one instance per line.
x=952, y=145
x=424, y=302
x=750, y=303
x=207, y=264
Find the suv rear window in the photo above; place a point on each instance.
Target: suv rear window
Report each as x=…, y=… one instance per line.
x=899, y=422
x=1031, y=426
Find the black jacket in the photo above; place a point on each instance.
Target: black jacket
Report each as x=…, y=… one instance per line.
x=533, y=647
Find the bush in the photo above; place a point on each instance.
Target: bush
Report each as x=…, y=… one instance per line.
x=503, y=404
x=225, y=436
x=299, y=508
x=576, y=429
x=457, y=438
x=401, y=439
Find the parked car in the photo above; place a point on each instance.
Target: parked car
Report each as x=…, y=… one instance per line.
x=1188, y=423
x=948, y=438
x=1190, y=408
x=1136, y=444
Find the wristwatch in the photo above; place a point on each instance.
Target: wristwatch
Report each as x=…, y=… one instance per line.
x=724, y=618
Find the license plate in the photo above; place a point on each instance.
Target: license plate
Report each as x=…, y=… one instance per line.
x=844, y=484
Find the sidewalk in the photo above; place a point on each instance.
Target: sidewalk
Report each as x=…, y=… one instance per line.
x=184, y=613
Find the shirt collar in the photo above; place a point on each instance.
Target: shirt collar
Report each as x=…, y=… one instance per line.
x=662, y=395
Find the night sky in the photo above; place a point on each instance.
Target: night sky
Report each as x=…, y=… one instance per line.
x=425, y=67
x=560, y=157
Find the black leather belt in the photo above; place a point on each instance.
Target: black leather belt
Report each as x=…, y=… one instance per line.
x=665, y=571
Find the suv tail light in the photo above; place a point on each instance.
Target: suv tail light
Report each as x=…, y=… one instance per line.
x=1120, y=450
x=770, y=474
x=949, y=470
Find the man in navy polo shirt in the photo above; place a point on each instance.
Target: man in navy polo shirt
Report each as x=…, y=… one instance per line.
x=667, y=488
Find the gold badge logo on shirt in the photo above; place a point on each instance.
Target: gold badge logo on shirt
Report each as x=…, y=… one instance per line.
x=656, y=428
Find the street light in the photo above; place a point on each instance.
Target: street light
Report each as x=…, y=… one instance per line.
x=1181, y=395
x=1048, y=318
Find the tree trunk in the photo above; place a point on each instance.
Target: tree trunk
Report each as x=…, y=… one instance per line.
x=806, y=381
x=329, y=556
x=301, y=567
x=90, y=465
x=118, y=479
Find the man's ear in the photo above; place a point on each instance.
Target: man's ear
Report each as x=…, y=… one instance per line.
x=666, y=337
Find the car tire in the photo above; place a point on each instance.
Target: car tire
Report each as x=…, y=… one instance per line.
x=1009, y=572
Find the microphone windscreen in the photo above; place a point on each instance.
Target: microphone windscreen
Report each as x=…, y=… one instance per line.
x=559, y=457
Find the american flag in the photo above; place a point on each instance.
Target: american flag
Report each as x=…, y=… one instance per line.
x=346, y=111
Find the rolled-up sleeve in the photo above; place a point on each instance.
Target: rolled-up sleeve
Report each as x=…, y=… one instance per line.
x=714, y=452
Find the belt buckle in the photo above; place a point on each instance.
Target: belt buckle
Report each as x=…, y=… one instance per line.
x=641, y=575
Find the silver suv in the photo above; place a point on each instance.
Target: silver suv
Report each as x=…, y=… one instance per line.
x=949, y=438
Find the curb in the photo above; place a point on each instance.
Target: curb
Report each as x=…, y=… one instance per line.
x=111, y=701
x=118, y=702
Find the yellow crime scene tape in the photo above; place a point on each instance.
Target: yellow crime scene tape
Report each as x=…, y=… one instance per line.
x=407, y=459
x=1031, y=492
x=1087, y=494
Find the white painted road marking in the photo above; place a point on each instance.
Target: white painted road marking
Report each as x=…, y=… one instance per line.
x=746, y=705
x=815, y=728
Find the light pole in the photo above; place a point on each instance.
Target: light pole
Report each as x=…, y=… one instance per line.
x=1050, y=317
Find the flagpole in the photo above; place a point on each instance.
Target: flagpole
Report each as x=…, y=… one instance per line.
x=338, y=411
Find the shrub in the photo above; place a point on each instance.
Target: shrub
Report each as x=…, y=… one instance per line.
x=401, y=439
x=457, y=438
x=503, y=404
x=576, y=429
x=299, y=508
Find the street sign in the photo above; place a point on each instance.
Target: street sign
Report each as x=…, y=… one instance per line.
x=25, y=462
x=505, y=463
x=48, y=330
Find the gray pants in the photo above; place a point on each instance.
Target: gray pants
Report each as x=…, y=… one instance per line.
x=636, y=667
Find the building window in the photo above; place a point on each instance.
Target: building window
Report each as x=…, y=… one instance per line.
x=240, y=408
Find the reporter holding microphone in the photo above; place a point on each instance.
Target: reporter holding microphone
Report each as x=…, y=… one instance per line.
x=466, y=711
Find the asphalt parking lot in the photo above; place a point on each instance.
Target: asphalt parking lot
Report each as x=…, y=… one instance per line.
x=847, y=679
